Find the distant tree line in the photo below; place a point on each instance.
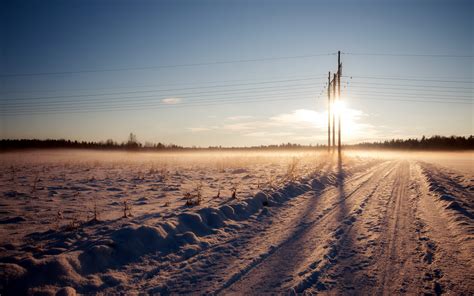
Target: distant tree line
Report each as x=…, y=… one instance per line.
x=432, y=143
x=132, y=144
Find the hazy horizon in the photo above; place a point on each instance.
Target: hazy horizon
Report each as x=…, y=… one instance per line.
x=283, y=145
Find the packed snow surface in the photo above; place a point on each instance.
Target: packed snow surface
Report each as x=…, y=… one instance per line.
x=248, y=223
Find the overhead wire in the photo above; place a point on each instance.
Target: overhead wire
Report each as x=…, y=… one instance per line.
x=469, y=98
x=412, y=85
x=64, y=103
x=153, y=99
x=159, y=90
x=368, y=97
x=407, y=55
x=165, y=66
x=409, y=79
x=141, y=86
x=214, y=102
x=160, y=96
x=154, y=106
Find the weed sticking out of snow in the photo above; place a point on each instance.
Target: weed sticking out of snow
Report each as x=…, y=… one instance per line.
x=127, y=209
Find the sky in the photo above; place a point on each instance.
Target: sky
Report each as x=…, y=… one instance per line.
x=234, y=73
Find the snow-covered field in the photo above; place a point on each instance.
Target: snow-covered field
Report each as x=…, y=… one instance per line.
x=236, y=223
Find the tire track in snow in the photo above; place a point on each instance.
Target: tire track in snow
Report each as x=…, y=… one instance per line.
x=282, y=263
x=400, y=257
x=395, y=260
x=342, y=249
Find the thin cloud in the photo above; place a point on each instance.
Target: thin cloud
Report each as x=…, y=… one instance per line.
x=171, y=101
x=301, y=125
x=301, y=118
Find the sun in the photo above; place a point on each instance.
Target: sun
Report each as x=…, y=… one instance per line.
x=348, y=116
x=340, y=109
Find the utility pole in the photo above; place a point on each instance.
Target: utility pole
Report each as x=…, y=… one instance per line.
x=332, y=98
x=339, y=74
x=333, y=113
x=329, y=111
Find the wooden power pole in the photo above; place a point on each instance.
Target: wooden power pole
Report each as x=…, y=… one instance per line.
x=329, y=111
x=339, y=74
x=336, y=81
x=333, y=113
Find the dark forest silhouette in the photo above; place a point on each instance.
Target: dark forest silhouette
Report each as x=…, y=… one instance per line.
x=132, y=144
x=434, y=142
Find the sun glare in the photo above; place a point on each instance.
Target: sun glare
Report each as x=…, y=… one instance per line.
x=340, y=108
x=349, y=128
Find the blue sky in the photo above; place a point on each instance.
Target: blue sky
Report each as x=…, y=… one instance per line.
x=268, y=101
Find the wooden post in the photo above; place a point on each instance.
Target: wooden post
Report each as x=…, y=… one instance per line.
x=339, y=73
x=329, y=111
x=333, y=113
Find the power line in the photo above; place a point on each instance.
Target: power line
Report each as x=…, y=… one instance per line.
x=417, y=95
x=167, y=66
x=411, y=89
x=227, y=62
x=407, y=55
x=409, y=79
x=203, y=83
x=158, y=85
x=207, y=103
x=158, y=90
x=406, y=100
x=159, y=101
x=150, y=106
x=410, y=96
x=146, y=99
x=383, y=97
x=161, y=96
x=412, y=85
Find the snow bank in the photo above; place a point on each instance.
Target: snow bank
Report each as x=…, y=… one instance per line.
x=454, y=197
x=182, y=235
x=449, y=195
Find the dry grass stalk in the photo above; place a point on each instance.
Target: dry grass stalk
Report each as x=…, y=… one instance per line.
x=127, y=209
x=196, y=199
x=35, y=184
x=233, y=189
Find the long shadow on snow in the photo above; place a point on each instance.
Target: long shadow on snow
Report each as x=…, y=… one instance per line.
x=339, y=250
x=283, y=266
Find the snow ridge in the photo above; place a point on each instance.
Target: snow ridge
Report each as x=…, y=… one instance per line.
x=117, y=247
